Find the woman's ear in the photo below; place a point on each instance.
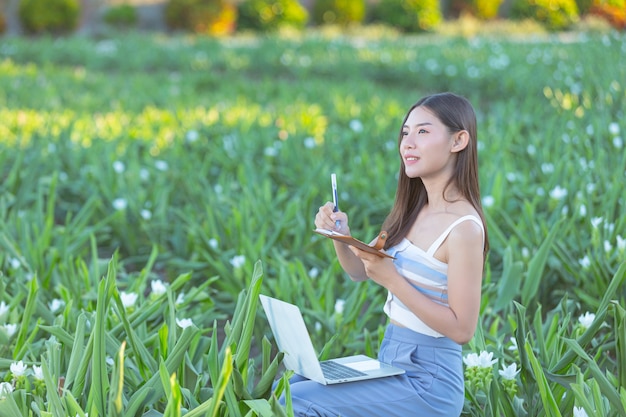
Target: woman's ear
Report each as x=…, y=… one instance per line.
x=461, y=139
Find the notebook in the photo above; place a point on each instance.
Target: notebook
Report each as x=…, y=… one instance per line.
x=292, y=338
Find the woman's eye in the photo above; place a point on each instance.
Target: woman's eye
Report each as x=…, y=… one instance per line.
x=421, y=131
x=404, y=133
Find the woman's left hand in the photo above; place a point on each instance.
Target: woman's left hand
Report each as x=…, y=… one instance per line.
x=378, y=269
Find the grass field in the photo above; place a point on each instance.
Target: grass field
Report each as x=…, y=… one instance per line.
x=153, y=186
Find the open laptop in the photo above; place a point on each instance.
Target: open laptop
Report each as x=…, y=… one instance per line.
x=292, y=338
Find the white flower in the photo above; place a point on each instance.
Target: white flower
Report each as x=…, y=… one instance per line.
x=18, y=369
x=158, y=287
x=119, y=167
x=128, y=299
x=192, y=136
x=309, y=143
x=5, y=390
x=580, y=412
x=558, y=193
x=591, y=187
x=488, y=201
x=621, y=243
x=15, y=263
x=531, y=149
x=11, y=329
x=55, y=305
x=180, y=298
x=356, y=125
x=161, y=165
x=238, y=261
x=614, y=128
x=145, y=214
x=38, y=372
x=184, y=323
x=109, y=361
x=585, y=262
x=586, y=319
x=513, y=346
x=144, y=174
x=484, y=360
x=508, y=372
x=607, y=246
x=525, y=252
x=618, y=142
x=120, y=204
x=213, y=243
x=314, y=272
x=596, y=221
x=582, y=210
x=4, y=308
x=547, y=168
x=270, y=151
x=339, y=304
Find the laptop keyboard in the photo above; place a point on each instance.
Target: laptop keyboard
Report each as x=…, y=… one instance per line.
x=334, y=370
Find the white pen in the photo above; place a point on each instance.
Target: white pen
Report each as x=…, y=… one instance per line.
x=333, y=181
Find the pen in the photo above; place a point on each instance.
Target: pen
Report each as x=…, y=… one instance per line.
x=333, y=180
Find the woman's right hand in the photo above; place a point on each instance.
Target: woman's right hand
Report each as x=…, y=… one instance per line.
x=328, y=219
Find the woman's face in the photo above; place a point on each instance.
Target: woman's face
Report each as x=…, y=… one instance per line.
x=426, y=146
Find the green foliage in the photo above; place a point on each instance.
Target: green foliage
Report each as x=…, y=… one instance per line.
x=140, y=159
x=584, y=6
x=121, y=16
x=481, y=9
x=486, y=9
x=49, y=16
x=338, y=12
x=269, y=15
x=212, y=17
x=408, y=15
x=554, y=14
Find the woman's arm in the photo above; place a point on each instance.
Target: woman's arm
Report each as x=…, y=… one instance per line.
x=458, y=320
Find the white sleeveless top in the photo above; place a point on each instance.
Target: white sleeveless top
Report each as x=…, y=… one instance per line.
x=425, y=273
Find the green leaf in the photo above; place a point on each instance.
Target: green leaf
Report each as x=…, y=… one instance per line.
x=509, y=283
x=99, y=381
x=549, y=403
x=536, y=266
x=608, y=390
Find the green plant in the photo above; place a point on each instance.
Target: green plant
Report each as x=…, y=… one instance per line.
x=487, y=9
x=481, y=9
x=408, y=15
x=584, y=6
x=212, y=17
x=52, y=16
x=554, y=14
x=121, y=16
x=268, y=15
x=338, y=12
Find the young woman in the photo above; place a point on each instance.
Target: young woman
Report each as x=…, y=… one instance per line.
x=437, y=235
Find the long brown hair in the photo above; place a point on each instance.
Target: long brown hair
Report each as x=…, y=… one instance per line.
x=457, y=114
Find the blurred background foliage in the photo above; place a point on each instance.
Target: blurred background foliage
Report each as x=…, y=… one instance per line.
x=222, y=17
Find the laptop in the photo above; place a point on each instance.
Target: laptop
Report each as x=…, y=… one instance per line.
x=292, y=338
